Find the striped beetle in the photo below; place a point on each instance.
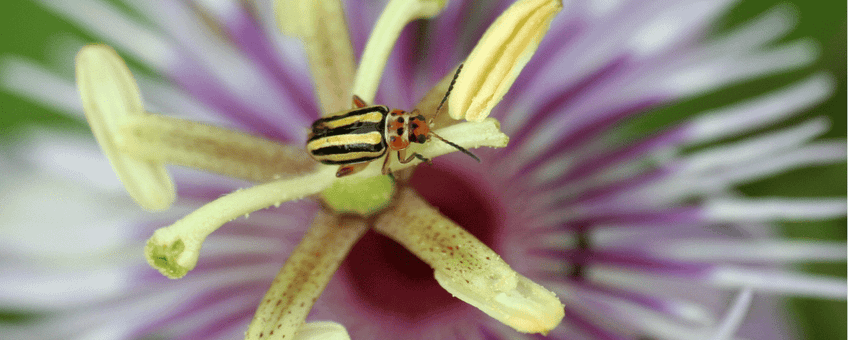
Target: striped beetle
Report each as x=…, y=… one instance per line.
x=352, y=139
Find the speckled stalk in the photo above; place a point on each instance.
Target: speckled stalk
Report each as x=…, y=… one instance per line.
x=304, y=276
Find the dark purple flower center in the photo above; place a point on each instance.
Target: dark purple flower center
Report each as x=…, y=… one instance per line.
x=391, y=279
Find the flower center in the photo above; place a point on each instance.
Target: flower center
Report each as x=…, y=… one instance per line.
x=390, y=278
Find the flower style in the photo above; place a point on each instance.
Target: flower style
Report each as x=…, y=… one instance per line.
x=639, y=237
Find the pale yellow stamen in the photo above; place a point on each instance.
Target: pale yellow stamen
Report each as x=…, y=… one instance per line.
x=304, y=276
x=174, y=250
x=322, y=27
x=499, y=57
x=231, y=153
x=139, y=144
x=468, y=269
x=395, y=16
x=109, y=96
x=321, y=330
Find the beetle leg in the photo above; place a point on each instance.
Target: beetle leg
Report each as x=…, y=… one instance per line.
x=403, y=159
x=351, y=169
x=386, y=169
x=358, y=103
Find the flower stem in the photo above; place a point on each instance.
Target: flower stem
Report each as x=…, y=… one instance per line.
x=304, y=276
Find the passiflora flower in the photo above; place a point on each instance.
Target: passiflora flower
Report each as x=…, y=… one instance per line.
x=575, y=224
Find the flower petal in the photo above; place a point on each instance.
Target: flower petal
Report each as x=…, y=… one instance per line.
x=734, y=316
x=499, y=57
x=25, y=78
x=744, y=250
x=104, y=20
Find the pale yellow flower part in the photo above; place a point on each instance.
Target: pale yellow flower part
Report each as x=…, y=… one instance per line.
x=515, y=300
x=304, y=276
x=321, y=330
x=201, y=146
x=469, y=269
x=499, y=57
x=394, y=18
x=322, y=27
x=139, y=143
x=174, y=250
x=109, y=96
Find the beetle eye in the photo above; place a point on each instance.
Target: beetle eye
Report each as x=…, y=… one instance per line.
x=422, y=139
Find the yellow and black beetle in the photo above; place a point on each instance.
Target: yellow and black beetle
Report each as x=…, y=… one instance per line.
x=352, y=139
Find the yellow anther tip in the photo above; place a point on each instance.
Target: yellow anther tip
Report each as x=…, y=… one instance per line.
x=499, y=57
x=110, y=95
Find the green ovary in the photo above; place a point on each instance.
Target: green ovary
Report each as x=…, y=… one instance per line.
x=360, y=196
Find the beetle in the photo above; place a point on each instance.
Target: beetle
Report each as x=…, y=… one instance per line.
x=355, y=138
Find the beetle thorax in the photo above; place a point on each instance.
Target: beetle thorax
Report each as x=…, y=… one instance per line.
x=403, y=128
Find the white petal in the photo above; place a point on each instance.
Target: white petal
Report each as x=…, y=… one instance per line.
x=630, y=318
x=50, y=217
x=72, y=157
x=32, y=81
x=104, y=20
x=34, y=287
x=779, y=282
x=164, y=97
x=734, y=317
x=252, y=85
x=756, y=210
x=752, y=148
x=672, y=24
x=761, y=251
x=758, y=32
x=716, y=72
x=763, y=111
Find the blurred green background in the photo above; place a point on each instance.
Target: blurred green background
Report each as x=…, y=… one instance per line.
x=28, y=31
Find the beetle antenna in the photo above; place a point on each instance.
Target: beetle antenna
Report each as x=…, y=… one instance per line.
x=445, y=98
x=456, y=146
